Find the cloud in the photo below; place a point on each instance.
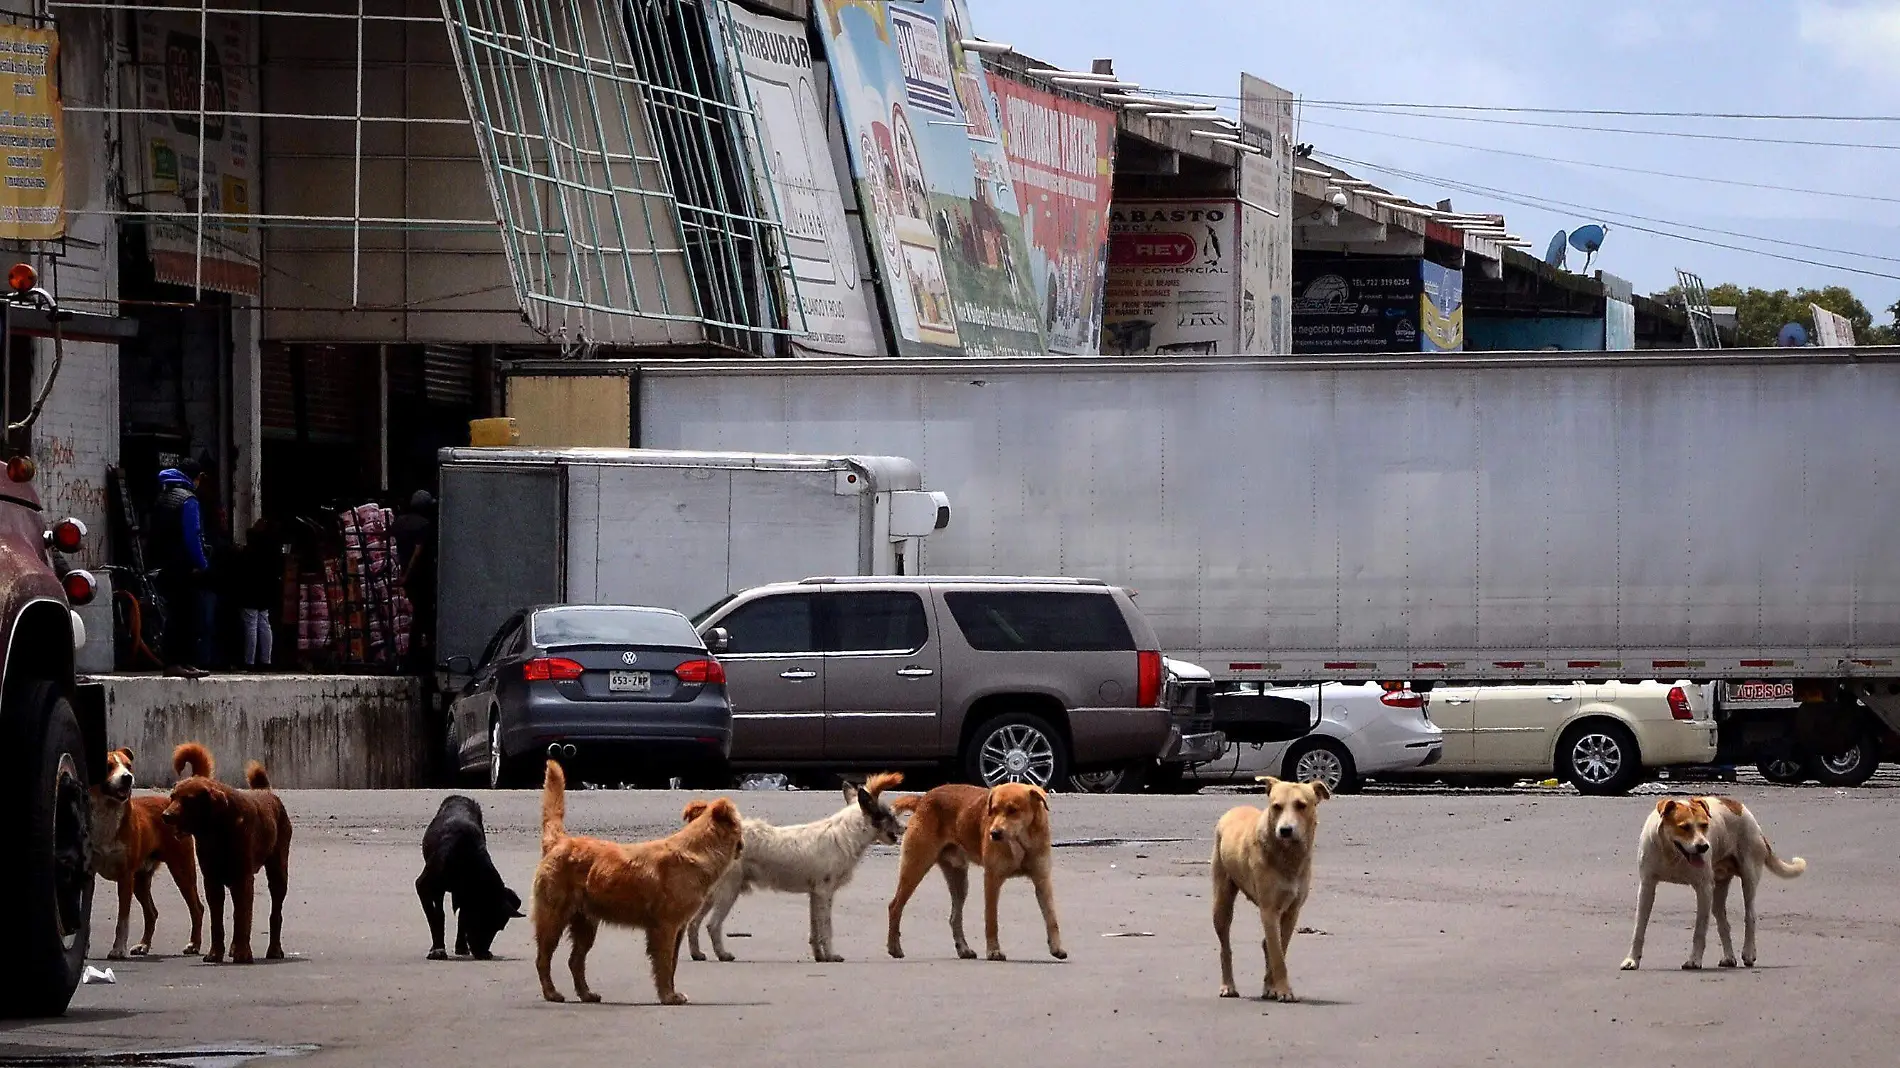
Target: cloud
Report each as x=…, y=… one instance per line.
x=1863, y=37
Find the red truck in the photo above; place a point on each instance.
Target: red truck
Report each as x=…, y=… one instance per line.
x=52, y=727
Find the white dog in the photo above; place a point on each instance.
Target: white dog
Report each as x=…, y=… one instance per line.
x=1705, y=843
x=816, y=859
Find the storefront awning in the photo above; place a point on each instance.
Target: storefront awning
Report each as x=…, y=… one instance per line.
x=77, y=326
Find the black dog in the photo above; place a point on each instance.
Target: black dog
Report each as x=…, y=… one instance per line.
x=455, y=861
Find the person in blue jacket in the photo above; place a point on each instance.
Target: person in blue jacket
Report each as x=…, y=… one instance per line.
x=180, y=555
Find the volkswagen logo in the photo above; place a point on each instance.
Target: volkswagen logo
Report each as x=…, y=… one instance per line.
x=628, y=657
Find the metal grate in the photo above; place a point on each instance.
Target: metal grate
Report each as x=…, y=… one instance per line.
x=614, y=138
x=1695, y=303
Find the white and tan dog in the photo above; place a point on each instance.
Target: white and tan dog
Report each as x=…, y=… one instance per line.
x=1705, y=843
x=816, y=859
x=1267, y=856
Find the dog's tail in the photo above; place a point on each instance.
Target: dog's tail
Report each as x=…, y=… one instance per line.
x=192, y=759
x=255, y=776
x=553, y=807
x=882, y=781
x=1787, y=869
x=907, y=803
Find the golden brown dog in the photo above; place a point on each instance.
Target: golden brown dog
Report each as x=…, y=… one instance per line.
x=1268, y=857
x=130, y=839
x=658, y=886
x=1005, y=830
x=238, y=832
x=1705, y=843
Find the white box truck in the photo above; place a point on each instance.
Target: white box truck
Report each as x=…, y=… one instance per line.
x=676, y=530
x=1480, y=516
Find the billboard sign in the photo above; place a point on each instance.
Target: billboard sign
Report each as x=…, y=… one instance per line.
x=1061, y=157
x=33, y=197
x=943, y=217
x=1173, y=278
x=1266, y=218
x=1356, y=304
x=176, y=155
x=791, y=154
x=1441, y=308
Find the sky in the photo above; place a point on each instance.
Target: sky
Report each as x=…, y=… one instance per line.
x=1806, y=57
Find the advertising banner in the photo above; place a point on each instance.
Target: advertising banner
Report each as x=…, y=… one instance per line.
x=1831, y=331
x=174, y=152
x=33, y=198
x=1266, y=219
x=1061, y=155
x=1441, y=308
x=1356, y=304
x=791, y=154
x=1173, y=278
x=924, y=136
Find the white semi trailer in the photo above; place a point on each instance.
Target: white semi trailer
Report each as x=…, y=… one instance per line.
x=1489, y=516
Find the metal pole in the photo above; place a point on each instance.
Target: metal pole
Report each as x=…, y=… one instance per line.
x=204, y=61
x=382, y=418
x=356, y=175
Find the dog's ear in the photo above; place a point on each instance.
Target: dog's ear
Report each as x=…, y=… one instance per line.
x=724, y=811
x=1269, y=782
x=1320, y=792
x=866, y=803
x=514, y=905
x=1701, y=806
x=694, y=810
x=1667, y=806
x=850, y=791
x=126, y=752
x=1042, y=797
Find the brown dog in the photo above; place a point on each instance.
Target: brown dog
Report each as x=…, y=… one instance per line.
x=1268, y=857
x=1004, y=830
x=238, y=832
x=659, y=886
x=130, y=839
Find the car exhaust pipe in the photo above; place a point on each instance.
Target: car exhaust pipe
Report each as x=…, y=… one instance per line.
x=557, y=750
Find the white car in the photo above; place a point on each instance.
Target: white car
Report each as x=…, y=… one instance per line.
x=1363, y=730
x=1601, y=737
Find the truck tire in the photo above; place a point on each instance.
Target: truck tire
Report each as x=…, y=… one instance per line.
x=1599, y=756
x=1783, y=770
x=47, y=894
x=1850, y=767
x=1325, y=760
x=1017, y=747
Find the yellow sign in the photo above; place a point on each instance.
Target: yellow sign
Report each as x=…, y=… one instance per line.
x=32, y=135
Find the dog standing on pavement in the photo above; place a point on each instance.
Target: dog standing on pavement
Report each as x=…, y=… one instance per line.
x=130, y=839
x=1705, y=843
x=1267, y=857
x=238, y=832
x=816, y=859
x=455, y=862
x=1004, y=830
x=659, y=886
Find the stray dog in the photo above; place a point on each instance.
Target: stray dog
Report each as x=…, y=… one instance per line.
x=238, y=832
x=455, y=861
x=1005, y=830
x=130, y=839
x=1268, y=857
x=816, y=859
x=582, y=883
x=1704, y=843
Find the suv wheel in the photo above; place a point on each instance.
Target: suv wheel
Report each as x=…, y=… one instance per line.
x=47, y=897
x=1599, y=757
x=1327, y=761
x=1017, y=747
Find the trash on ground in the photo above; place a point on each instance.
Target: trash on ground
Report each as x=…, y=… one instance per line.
x=93, y=975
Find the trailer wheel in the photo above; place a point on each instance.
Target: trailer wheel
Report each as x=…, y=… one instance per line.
x=1017, y=747
x=1850, y=767
x=47, y=894
x=1599, y=757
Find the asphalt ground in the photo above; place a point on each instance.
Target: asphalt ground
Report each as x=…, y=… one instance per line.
x=1445, y=928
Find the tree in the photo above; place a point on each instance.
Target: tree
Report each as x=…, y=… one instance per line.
x=1761, y=313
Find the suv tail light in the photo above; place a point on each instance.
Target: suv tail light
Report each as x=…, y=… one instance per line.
x=551, y=669
x=700, y=672
x=1679, y=704
x=1402, y=699
x=1148, y=676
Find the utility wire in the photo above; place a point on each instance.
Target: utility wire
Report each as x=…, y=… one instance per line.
x=1600, y=112
x=1530, y=201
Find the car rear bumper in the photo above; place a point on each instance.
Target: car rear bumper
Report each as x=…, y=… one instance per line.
x=1192, y=748
x=1679, y=742
x=1101, y=736
x=698, y=729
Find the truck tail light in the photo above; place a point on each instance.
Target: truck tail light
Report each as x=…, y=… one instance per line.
x=1148, y=676
x=1402, y=699
x=551, y=669
x=1679, y=704
x=22, y=468
x=701, y=672
x=66, y=536
x=80, y=587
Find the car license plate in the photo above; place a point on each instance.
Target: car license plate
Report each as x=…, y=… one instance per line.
x=630, y=681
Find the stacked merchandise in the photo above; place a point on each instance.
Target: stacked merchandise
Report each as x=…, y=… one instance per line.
x=346, y=592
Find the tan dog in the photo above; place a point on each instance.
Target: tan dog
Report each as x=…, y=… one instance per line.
x=659, y=886
x=130, y=839
x=1268, y=857
x=1005, y=830
x=1705, y=843
x=237, y=833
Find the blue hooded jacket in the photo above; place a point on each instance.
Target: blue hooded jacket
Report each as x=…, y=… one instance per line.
x=190, y=530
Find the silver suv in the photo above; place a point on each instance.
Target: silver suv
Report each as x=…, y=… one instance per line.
x=1001, y=679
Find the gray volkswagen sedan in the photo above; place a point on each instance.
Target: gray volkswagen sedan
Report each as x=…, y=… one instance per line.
x=618, y=694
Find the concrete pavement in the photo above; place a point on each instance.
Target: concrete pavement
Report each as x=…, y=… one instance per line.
x=1448, y=928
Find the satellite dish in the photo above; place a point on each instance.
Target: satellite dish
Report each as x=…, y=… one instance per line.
x=1792, y=336
x=1587, y=240
x=1556, y=253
